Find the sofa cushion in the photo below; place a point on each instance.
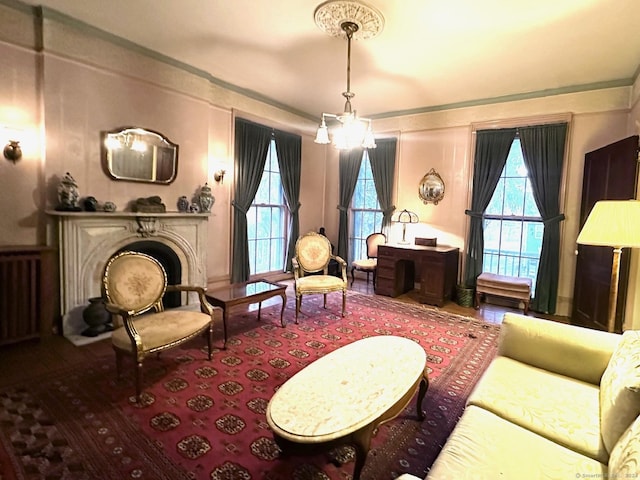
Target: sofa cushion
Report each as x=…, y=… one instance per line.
x=485, y=446
x=620, y=389
x=560, y=408
x=576, y=352
x=625, y=457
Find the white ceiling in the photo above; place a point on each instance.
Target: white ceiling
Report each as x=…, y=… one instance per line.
x=431, y=53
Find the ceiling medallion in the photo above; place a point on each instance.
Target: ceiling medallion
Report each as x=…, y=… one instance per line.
x=331, y=15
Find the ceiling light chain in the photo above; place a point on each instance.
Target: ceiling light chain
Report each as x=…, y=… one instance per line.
x=352, y=131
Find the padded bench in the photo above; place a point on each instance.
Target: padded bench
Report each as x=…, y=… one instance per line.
x=516, y=288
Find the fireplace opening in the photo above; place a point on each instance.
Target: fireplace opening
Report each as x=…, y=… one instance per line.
x=168, y=259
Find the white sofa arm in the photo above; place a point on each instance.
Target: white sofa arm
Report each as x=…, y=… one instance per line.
x=568, y=350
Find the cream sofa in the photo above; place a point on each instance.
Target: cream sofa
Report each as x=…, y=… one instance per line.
x=557, y=402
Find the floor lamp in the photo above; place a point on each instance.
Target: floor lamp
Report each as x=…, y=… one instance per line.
x=612, y=223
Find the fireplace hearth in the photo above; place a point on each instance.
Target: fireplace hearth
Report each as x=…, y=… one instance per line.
x=87, y=240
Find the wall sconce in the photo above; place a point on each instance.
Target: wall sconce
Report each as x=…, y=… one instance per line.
x=219, y=176
x=12, y=151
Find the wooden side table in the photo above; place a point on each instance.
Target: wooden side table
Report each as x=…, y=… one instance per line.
x=245, y=294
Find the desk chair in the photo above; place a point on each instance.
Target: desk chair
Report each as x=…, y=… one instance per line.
x=370, y=263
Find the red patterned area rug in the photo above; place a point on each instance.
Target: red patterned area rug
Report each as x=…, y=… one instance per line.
x=206, y=420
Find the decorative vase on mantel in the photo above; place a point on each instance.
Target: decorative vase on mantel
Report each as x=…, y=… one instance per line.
x=183, y=204
x=68, y=195
x=206, y=199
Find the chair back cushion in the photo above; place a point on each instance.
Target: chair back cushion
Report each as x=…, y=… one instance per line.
x=620, y=389
x=373, y=241
x=134, y=281
x=313, y=252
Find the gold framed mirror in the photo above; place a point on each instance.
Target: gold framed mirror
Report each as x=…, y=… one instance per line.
x=139, y=155
x=431, y=188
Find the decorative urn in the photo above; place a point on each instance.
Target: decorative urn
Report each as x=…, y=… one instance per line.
x=183, y=204
x=206, y=199
x=68, y=194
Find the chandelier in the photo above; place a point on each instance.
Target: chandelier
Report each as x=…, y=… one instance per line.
x=350, y=18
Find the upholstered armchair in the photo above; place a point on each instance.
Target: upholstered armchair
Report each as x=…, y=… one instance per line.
x=310, y=270
x=133, y=285
x=370, y=263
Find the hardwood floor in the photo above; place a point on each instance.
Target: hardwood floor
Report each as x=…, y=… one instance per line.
x=33, y=358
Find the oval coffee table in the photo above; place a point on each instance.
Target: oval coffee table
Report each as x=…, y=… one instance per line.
x=344, y=396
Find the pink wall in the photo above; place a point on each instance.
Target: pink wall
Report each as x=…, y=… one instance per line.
x=21, y=185
x=80, y=102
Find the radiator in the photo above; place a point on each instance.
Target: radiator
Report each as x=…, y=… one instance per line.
x=27, y=295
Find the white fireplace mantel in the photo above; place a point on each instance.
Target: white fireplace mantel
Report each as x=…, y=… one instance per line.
x=87, y=240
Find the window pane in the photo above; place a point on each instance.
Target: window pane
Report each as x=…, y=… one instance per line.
x=262, y=195
x=275, y=189
x=495, y=205
x=371, y=197
x=262, y=255
x=358, y=200
x=515, y=162
x=514, y=196
x=530, y=207
x=492, y=235
x=251, y=222
x=532, y=238
x=510, y=237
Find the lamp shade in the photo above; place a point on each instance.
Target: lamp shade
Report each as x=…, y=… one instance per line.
x=405, y=216
x=612, y=223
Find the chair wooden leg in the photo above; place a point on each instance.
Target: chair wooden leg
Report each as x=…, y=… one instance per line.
x=138, y=381
x=298, y=301
x=210, y=340
x=353, y=276
x=325, y=300
x=344, y=302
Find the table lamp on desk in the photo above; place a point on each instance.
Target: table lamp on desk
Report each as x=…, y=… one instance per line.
x=404, y=217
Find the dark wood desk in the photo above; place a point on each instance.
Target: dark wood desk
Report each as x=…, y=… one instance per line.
x=400, y=266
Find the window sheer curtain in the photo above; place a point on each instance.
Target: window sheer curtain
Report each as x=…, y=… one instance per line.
x=543, y=151
x=251, y=146
x=492, y=150
x=289, y=147
x=350, y=161
x=383, y=166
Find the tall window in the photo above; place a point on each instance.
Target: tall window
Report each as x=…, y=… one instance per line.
x=267, y=220
x=365, y=211
x=513, y=226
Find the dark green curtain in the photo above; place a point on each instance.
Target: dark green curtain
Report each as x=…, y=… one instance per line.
x=350, y=161
x=289, y=147
x=492, y=149
x=543, y=152
x=383, y=166
x=251, y=147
